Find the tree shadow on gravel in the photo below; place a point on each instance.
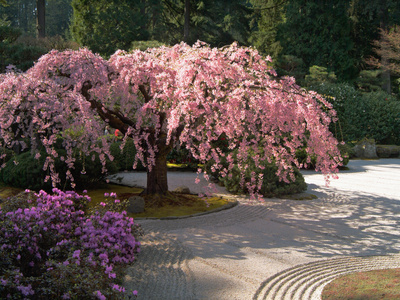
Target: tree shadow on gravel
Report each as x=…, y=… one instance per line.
x=332, y=225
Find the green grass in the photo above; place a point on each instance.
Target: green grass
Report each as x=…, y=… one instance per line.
x=371, y=285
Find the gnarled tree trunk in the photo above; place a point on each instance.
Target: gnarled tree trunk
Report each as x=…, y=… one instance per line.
x=157, y=182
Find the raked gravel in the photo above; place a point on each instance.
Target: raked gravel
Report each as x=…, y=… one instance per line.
x=279, y=249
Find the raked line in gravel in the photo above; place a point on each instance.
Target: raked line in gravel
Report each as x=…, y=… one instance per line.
x=281, y=249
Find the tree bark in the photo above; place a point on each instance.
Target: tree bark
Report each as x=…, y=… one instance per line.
x=157, y=182
x=40, y=18
x=187, y=22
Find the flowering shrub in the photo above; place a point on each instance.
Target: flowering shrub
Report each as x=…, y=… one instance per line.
x=54, y=249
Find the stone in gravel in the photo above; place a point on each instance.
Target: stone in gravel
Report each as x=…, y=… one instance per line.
x=135, y=205
x=182, y=190
x=365, y=149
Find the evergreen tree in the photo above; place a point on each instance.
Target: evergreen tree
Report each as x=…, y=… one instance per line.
x=105, y=26
x=215, y=22
x=58, y=17
x=319, y=32
x=267, y=15
x=369, y=18
x=23, y=13
x=41, y=18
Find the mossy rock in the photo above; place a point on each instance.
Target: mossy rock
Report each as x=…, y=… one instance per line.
x=388, y=151
x=366, y=148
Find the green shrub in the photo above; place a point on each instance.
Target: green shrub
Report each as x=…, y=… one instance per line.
x=384, y=121
x=318, y=75
x=125, y=158
x=182, y=156
x=25, y=171
x=23, y=56
x=271, y=187
x=302, y=156
x=289, y=65
x=352, y=112
x=23, y=51
x=346, y=152
x=369, y=80
x=375, y=115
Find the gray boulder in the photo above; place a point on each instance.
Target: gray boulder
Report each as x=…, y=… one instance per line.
x=365, y=148
x=135, y=205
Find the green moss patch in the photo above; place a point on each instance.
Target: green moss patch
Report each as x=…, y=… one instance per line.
x=171, y=205
x=183, y=205
x=6, y=192
x=123, y=192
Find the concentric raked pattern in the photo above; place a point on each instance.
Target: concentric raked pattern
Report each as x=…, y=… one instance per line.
x=307, y=281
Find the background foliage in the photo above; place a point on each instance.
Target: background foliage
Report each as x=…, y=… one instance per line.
x=375, y=115
x=336, y=34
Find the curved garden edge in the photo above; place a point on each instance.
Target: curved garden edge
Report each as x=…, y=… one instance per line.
x=232, y=203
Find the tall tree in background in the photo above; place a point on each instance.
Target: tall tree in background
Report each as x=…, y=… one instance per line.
x=23, y=14
x=41, y=18
x=388, y=50
x=318, y=32
x=58, y=17
x=368, y=17
x=215, y=22
x=266, y=18
x=187, y=22
x=105, y=26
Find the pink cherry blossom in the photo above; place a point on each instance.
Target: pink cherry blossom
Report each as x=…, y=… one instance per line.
x=165, y=97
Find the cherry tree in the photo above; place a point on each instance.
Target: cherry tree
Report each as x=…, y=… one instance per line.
x=166, y=97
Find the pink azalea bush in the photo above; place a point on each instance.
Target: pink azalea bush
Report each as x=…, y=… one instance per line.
x=53, y=249
x=167, y=97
